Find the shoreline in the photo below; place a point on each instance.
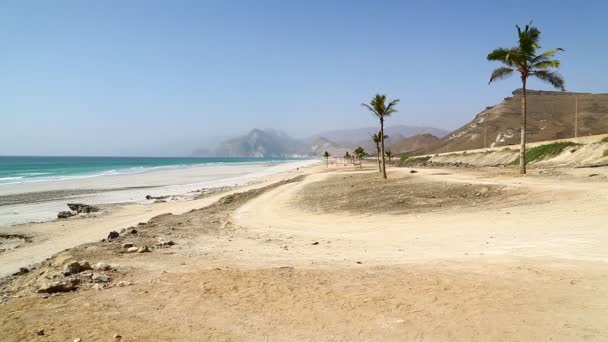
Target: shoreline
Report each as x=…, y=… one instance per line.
x=186, y=182
x=50, y=237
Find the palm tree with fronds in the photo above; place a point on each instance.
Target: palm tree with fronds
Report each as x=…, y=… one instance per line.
x=327, y=155
x=389, y=155
x=382, y=111
x=377, y=140
x=523, y=59
x=360, y=153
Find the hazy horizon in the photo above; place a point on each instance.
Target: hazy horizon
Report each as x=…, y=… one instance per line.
x=159, y=78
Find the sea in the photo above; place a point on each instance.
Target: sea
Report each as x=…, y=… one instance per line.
x=16, y=169
x=35, y=189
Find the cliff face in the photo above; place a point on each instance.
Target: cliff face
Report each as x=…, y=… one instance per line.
x=551, y=115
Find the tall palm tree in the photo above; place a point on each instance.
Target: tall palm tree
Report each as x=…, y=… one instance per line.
x=327, y=155
x=524, y=59
x=360, y=153
x=382, y=111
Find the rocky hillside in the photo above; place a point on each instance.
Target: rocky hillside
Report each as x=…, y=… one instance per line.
x=551, y=115
x=415, y=145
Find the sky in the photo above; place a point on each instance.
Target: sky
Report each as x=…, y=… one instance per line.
x=167, y=77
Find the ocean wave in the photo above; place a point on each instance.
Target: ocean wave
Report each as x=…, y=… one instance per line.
x=35, y=177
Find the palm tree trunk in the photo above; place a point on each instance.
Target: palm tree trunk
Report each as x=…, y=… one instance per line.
x=524, y=113
x=382, y=147
x=378, y=158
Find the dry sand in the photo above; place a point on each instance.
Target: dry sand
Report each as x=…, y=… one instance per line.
x=308, y=259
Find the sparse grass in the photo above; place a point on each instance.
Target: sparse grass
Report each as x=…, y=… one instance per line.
x=605, y=140
x=411, y=161
x=545, y=151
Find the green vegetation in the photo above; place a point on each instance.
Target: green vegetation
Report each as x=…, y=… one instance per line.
x=414, y=161
x=545, y=151
x=523, y=59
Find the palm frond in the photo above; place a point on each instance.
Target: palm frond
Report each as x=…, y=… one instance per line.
x=546, y=55
x=390, y=109
x=543, y=65
x=370, y=109
x=501, y=73
x=551, y=77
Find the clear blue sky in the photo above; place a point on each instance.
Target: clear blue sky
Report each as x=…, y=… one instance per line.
x=164, y=77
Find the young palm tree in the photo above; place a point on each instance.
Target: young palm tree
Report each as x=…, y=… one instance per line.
x=389, y=155
x=346, y=158
x=360, y=153
x=382, y=111
x=376, y=139
x=524, y=59
x=327, y=155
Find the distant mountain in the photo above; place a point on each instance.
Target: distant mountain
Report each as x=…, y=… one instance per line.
x=261, y=143
x=359, y=136
x=319, y=145
x=551, y=115
x=414, y=145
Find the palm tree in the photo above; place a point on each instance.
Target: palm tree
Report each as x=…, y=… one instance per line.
x=346, y=158
x=389, y=155
x=360, y=153
x=326, y=155
x=376, y=139
x=524, y=59
x=382, y=111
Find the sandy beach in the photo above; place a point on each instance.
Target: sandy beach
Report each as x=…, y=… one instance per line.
x=333, y=254
x=40, y=201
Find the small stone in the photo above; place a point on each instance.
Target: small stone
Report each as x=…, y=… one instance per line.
x=86, y=274
x=127, y=245
x=55, y=287
x=65, y=214
x=133, y=231
x=40, y=332
x=71, y=268
x=100, y=278
x=413, y=171
x=77, y=339
x=113, y=235
x=117, y=336
x=22, y=271
x=124, y=283
x=165, y=242
x=102, y=266
x=315, y=243
x=143, y=249
x=132, y=250
x=359, y=262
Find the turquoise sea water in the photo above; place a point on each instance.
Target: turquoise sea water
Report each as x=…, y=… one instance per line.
x=32, y=169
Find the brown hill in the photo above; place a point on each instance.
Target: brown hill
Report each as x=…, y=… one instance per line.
x=551, y=115
x=414, y=145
